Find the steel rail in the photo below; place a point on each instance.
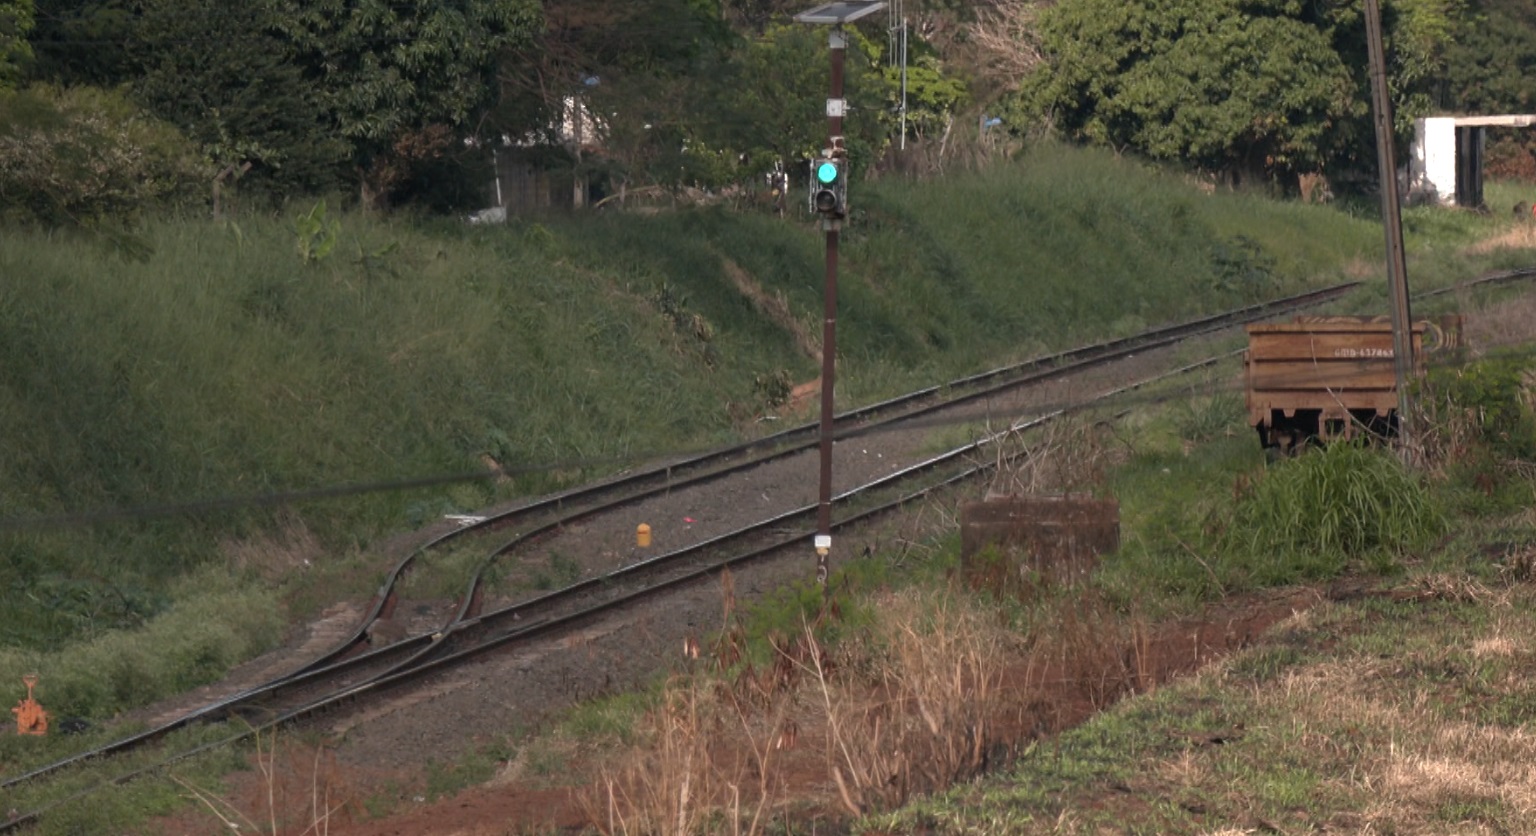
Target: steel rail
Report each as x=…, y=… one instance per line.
x=1502, y=277
x=421, y=647
x=991, y=383
x=427, y=644
x=402, y=654
x=797, y=438
x=534, y=627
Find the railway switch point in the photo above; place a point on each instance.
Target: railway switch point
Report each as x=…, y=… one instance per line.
x=30, y=717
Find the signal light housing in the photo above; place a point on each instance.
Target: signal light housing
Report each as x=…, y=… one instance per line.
x=829, y=187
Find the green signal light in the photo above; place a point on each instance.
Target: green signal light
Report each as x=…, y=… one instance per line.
x=826, y=173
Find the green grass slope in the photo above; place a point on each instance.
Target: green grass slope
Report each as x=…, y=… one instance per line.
x=220, y=362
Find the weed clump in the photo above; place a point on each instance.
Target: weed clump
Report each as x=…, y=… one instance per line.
x=1499, y=395
x=1309, y=517
x=1482, y=432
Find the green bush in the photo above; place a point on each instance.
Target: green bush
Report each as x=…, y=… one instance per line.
x=1310, y=516
x=16, y=20
x=74, y=156
x=1499, y=394
x=193, y=643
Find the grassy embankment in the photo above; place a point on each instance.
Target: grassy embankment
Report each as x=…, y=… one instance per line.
x=1400, y=705
x=224, y=365
x=1397, y=705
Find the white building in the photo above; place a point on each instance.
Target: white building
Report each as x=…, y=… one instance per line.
x=1447, y=163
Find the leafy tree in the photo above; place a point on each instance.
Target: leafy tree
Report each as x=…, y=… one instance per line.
x=76, y=156
x=1247, y=87
x=634, y=69
x=223, y=74
x=770, y=100
x=1240, y=86
x=1491, y=60
x=83, y=42
x=754, y=16
x=304, y=91
x=16, y=18
x=1421, y=32
x=1489, y=64
x=397, y=75
x=933, y=96
x=679, y=99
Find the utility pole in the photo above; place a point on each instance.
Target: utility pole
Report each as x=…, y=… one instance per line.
x=830, y=182
x=1392, y=219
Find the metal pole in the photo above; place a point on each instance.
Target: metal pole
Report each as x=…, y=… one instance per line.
x=839, y=43
x=903, y=84
x=1392, y=218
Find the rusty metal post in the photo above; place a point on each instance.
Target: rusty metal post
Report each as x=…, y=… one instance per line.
x=1392, y=219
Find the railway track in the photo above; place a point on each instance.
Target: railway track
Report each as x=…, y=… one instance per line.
x=377, y=673
x=353, y=672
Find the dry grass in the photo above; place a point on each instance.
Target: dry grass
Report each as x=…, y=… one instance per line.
x=774, y=307
x=1521, y=236
x=1380, y=740
x=909, y=706
x=922, y=716
x=1066, y=456
x=1510, y=322
x=932, y=693
x=276, y=556
x=1361, y=268
x=1415, y=763
x=688, y=777
x=297, y=792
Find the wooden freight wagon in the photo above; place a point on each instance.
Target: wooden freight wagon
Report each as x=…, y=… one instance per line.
x=1323, y=380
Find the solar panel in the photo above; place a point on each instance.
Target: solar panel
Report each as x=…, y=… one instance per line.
x=839, y=13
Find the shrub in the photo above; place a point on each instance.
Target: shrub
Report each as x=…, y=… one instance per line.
x=16, y=19
x=1499, y=394
x=74, y=156
x=215, y=625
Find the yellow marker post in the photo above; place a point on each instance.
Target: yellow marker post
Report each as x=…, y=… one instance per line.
x=30, y=717
x=643, y=536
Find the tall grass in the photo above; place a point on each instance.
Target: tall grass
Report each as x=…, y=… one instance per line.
x=1311, y=516
x=910, y=703
x=1204, y=521
x=213, y=624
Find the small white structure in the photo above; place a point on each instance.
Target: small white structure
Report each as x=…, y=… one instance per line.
x=1447, y=163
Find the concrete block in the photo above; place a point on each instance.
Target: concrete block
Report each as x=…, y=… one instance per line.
x=1055, y=539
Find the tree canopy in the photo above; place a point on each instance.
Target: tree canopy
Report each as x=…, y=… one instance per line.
x=1491, y=60
x=16, y=18
x=300, y=90
x=1231, y=85
x=399, y=97
x=1257, y=87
